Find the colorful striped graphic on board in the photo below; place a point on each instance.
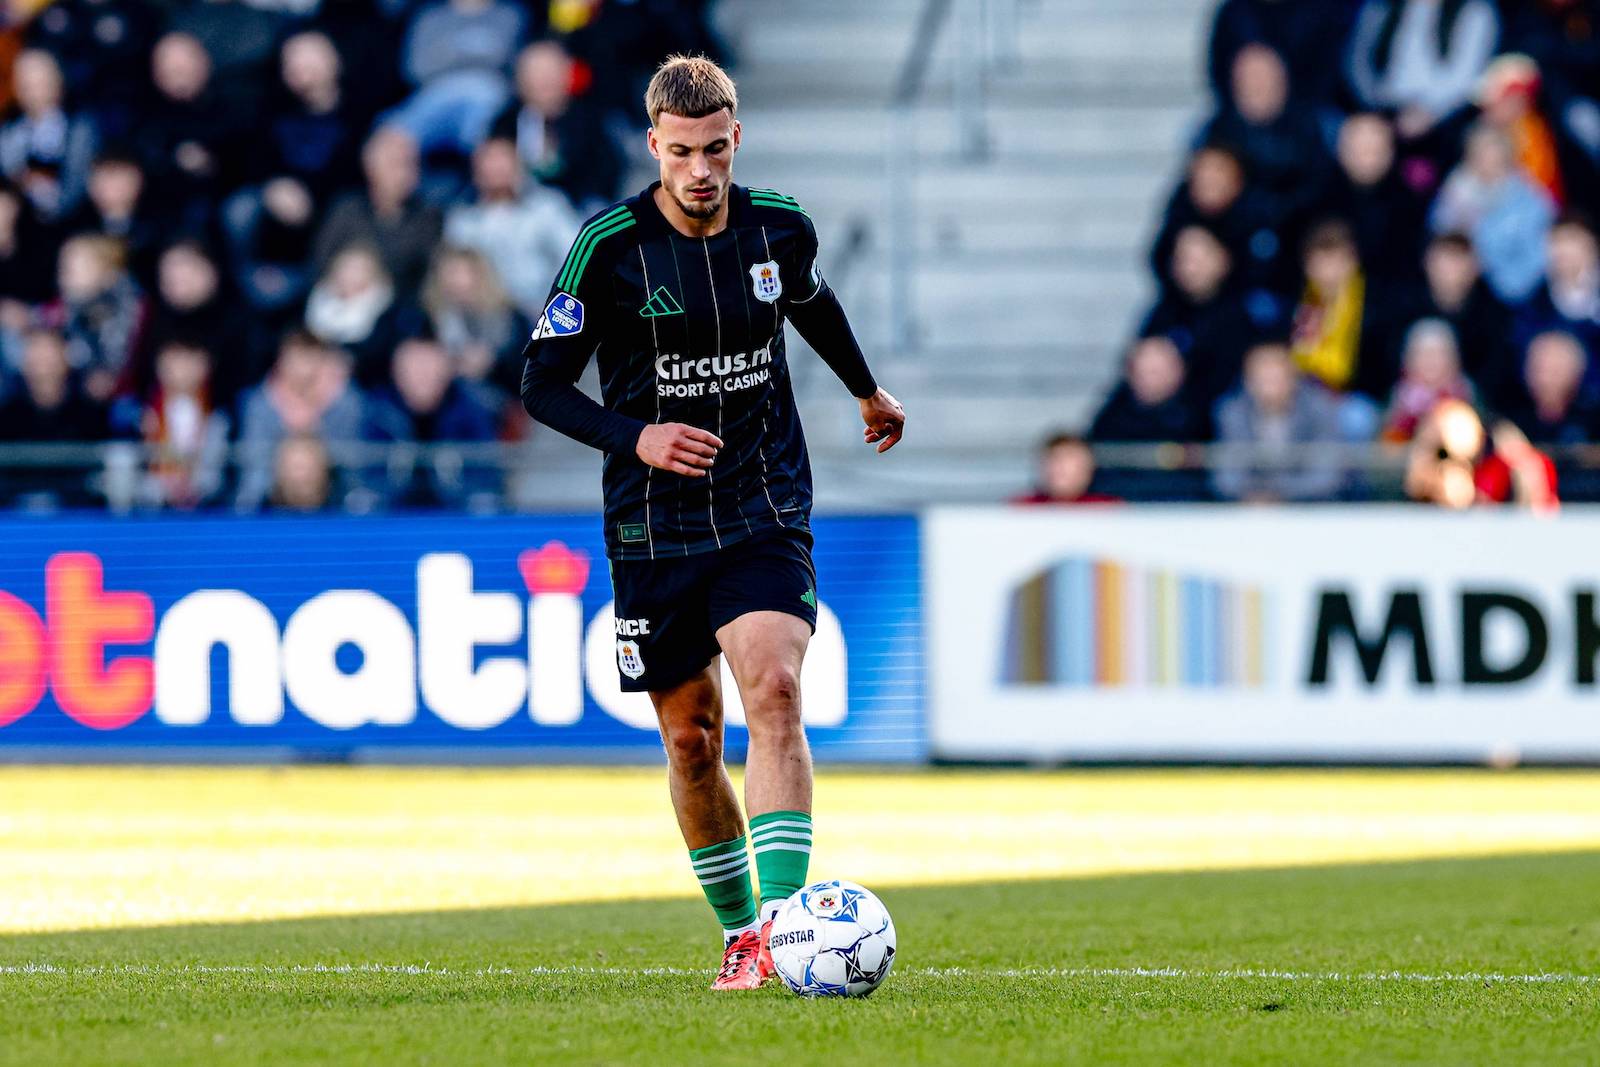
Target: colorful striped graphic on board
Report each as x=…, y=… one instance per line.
x=1094, y=622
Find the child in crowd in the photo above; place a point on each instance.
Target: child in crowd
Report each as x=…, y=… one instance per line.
x=1430, y=372
x=100, y=311
x=187, y=435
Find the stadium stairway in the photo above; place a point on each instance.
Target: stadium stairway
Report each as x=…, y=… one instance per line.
x=1028, y=264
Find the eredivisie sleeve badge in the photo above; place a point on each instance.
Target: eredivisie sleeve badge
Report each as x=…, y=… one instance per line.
x=563, y=317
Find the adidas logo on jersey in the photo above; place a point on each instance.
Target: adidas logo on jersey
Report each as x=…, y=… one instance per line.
x=661, y=303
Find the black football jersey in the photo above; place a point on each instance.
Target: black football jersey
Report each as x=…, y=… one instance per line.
x=690, y=330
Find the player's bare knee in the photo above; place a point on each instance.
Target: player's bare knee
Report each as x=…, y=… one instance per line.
x=775, y=691
x=694, y=745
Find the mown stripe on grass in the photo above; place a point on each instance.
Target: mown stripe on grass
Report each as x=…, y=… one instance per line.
x=1183, y=973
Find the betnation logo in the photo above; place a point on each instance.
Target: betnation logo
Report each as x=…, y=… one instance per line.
x=1096, y=622
x=344, y=657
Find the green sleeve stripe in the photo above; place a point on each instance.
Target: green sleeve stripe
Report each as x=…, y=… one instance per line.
x=760, y=202
x=584, y=249
x=773, y=194
x=610, y=216
x=608, y=219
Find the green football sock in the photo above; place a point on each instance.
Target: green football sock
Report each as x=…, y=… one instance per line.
x=724, y=873
x=782, y=841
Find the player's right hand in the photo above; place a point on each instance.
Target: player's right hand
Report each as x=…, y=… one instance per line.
x=672, y=446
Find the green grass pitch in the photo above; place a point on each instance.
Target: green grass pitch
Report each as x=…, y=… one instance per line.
x=1129, y=952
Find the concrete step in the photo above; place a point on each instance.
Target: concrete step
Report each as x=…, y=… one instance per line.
x=1089, y=81
x=1012, y=191
x=1042, y=131
x=1100, y=35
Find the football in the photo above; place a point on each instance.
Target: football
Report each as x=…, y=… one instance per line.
x=833, y=939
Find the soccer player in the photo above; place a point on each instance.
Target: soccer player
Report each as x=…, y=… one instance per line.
x=683, y=291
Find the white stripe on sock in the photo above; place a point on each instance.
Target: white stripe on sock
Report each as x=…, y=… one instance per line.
x=712, y=861
x=742, y=872
x=782, y=848
x=717, y=868
x=790, y=824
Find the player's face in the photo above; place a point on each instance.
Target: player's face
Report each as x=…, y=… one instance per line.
x=696, y=160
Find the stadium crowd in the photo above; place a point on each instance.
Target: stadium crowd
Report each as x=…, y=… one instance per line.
x=1368, y=236
x=281, y=228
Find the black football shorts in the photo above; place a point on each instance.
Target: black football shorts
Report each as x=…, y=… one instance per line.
x=669, y=610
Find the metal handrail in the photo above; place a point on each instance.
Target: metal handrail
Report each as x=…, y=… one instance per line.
x=1153, y=456
x=988, y=30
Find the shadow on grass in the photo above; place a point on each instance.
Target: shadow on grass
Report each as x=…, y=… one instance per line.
x=1521, y=914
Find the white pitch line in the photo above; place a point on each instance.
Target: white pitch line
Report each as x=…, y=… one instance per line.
x=1182, y=973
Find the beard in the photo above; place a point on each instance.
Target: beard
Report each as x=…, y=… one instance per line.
x=702, y=209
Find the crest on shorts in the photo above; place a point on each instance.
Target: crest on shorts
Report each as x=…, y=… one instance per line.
x=629, y=661
x=765, y=283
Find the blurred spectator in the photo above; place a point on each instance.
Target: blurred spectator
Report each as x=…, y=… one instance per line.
x=1509, y=99
x=49, y=403
x=525, y=233
x=1430, y=371
x=1282, y=434
x=387, y=215
x=1451, y=464
x=1150, y=403
x=117, y=206
x=1488, y=198
x=310, y=152
x=1421, y=59
x=1338, y=323
x=368, y=35
x=1569, y=299
x=1453, y=290
x=1282, y=148
x=101, y=312
x=44, y=149
x=562, y=139
x=1213, y=195
x=1201, y=313
x=302, y=475
x=1560, y=36
x=27, y=257
x=307, y=392
x=103, y=47
x=308, y=138
x=1557, y=411
x=1384, y=216
x=191, y=301
x=186, y=133
x=474, y=319
x=187, y=435
x=269, y=234
x=355, y=307
x=240, y=38
x=427, y=404
x=1299, y=32
x=458, y=54
x=1066, y=473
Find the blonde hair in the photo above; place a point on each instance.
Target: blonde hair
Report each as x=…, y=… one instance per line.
x=491, y=292
x=109, y=252
x=691, y=87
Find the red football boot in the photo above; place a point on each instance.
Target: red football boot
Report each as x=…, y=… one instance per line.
x=740, y=963
x=766, y=970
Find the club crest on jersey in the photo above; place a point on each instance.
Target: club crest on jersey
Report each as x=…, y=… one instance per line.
x=765, y=283
x=562, y=317
x=629, y=661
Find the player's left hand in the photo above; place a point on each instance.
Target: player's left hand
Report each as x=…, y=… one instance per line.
x=885, y=419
